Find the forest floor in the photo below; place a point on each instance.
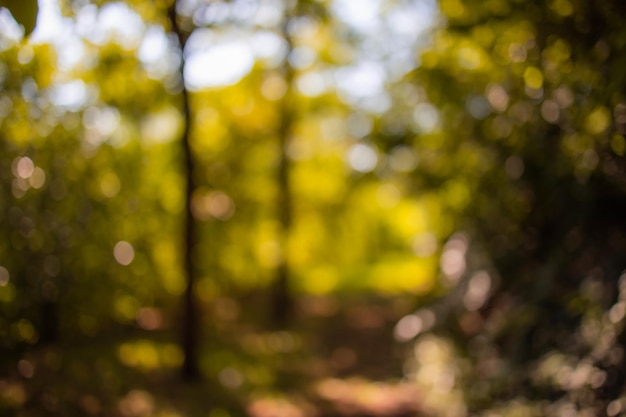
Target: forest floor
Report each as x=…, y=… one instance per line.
x=336, y=357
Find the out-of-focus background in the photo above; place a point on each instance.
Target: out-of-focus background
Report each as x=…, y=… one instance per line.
x=311, y=208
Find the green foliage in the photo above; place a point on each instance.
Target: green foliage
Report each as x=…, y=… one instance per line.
x=530, y=99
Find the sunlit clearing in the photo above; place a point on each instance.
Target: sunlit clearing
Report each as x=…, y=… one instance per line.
x=123, y=252
x=219, y=65
x=362, y=158
x=4, y=276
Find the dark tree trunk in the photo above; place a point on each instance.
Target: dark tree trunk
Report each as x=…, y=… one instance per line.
x=190, y=329
x=282, y=301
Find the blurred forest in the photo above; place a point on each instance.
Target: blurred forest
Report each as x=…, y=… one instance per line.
x=310, y=208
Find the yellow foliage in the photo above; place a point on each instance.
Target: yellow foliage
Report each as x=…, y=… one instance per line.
x=562, y=7
x=171, y=194
x=125, y=307
x=25, y=331
x=305, y=240
x=321, y=279
x=319, y=180
x=457, y=194
x=403, y=274
x=408, y=219
x=469, y=57
x=147, y=355
x=210, y=135
x=166, y=257
x=533, y=77
x=7, y=293
x=598, y=120
x=618, y=144
x=453, y=8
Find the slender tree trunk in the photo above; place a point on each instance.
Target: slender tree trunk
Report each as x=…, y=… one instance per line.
x=190, y=329
x=282, y=300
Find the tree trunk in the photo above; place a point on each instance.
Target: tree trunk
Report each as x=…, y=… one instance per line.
x=282, y=301
x=190, y=369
